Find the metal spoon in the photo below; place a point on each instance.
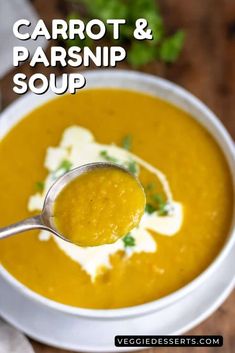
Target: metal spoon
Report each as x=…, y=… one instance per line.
x=46, y=219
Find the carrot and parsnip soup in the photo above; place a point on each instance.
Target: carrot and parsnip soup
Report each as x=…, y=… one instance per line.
x=187, y=184
x=99, y=207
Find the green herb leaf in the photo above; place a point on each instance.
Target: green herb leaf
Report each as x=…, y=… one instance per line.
x=150, y=208
x=171, y=47
x=158, y=205
x=128, y=240
x=40, y=185
x=150, y=187
x=149, y=10
x=161, y=205
x=157, y=198
x=132, y=166
x=155, y=22
x=127, y=142
x=66, y=165
x=107, y=157
x=141, y=53
x=105, y=10
x=163, y=211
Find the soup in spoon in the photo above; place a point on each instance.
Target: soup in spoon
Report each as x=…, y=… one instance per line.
x=99, y=206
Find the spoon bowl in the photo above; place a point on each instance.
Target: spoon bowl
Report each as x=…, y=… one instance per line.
x=45, y=220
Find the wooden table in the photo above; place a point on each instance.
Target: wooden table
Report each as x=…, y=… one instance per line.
x=207, y=69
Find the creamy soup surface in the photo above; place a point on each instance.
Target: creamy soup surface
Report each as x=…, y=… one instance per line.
x=188, y=188
x=99, y=207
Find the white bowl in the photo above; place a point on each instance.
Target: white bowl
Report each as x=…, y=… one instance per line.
x=54, y=312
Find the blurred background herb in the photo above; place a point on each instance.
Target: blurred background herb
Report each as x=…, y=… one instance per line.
x=163, y=47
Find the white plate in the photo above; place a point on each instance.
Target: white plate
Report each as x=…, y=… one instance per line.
x=86, y=334
x=93, y=330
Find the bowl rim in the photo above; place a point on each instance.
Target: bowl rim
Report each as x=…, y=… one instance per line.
x=228, y=152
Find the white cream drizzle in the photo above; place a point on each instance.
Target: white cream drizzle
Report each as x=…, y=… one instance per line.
x=78, y=146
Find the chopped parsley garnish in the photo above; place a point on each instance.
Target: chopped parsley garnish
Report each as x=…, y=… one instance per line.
x=127, y=142
x=158, y=205
x=132, y=167
x=66, y=165
x=150, y=208
x=150, y=186
x=161, y=204
x=128, y=240
x=157, y=198
x=40, y=186
x=107, y=157
x=163, y=210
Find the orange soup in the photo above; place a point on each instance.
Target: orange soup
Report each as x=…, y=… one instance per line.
x=99, y=207
x=186, y=180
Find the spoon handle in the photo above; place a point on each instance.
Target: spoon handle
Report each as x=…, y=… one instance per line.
x=22, y=226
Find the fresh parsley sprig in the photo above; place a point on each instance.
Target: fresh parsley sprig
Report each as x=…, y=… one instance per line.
x=163, y=47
